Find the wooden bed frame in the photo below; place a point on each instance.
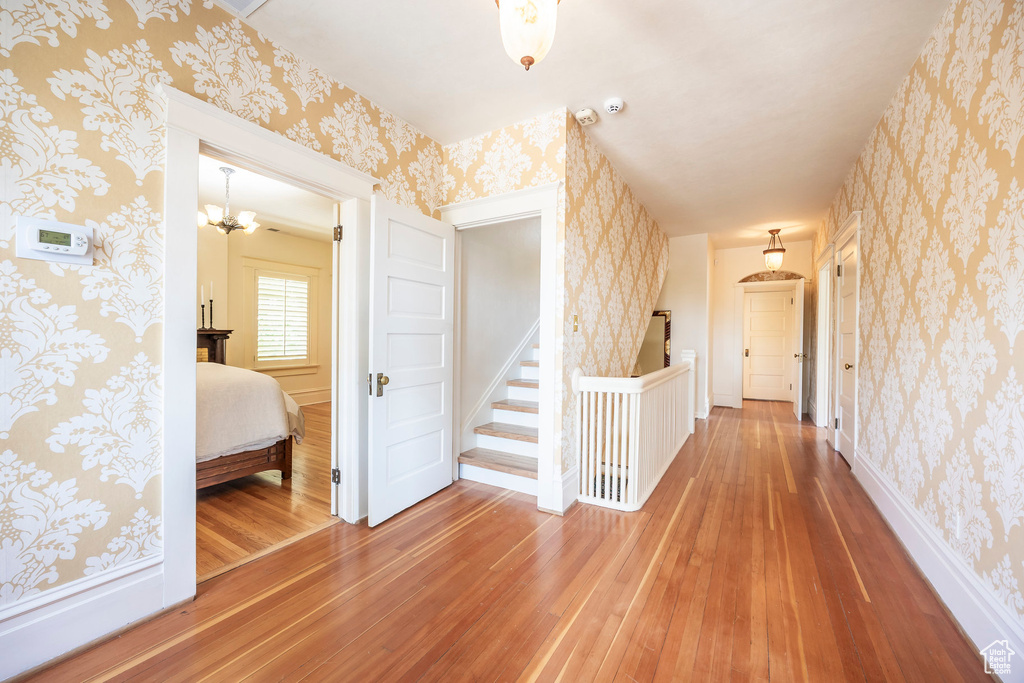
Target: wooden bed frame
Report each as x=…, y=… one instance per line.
x=277, y=456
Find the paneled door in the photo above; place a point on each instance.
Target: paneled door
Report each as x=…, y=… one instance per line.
x=846, y=348
x=412, y=282
x=768, y=334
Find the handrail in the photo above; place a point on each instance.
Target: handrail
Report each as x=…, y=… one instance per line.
x=629, y=430
x=627, y=385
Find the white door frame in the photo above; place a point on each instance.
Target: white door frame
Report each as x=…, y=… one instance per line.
x=849, y=230
x=193, y=124
x=795, y=286
x=823, y=348
x=555, y=492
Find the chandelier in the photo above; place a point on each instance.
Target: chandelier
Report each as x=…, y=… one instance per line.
x=773, y=254
x=527, y=28
x=222, y=218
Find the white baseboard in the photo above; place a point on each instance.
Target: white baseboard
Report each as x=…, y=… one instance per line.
x=500, y=479
x=812, y=413
x=305, y=397
x=570, y=487
x=37, y=630
x=981, y=615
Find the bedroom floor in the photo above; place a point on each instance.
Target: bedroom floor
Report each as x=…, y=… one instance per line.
x=243, y=519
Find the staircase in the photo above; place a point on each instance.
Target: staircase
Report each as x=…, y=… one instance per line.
x=505, y=453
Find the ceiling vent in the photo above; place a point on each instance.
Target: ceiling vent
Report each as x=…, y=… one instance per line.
x=241, y=8
x=586, y=117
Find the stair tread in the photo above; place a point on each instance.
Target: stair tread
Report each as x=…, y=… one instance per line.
x=536, y=346
x=508, y=431
x=525, y=383
x=529, y=363
x=517, y=406
x=500, y=461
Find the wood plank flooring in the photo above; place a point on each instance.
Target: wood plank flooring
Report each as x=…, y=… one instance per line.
x=758, y=557
x=247, y=516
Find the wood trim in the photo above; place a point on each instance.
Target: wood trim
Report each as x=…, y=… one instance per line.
x=277, y=456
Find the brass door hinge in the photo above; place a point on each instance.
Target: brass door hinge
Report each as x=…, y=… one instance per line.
x=338, y=230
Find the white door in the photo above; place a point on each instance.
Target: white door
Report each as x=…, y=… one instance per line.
x=846, y=349
x=768, y=346
x=412, y=284
x=336, y=367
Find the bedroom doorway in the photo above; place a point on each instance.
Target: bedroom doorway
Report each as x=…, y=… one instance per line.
x=264, y=371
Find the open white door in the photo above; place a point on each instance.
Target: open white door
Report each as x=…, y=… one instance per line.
x=846, y=348
x=412, y=284
x=798, y=350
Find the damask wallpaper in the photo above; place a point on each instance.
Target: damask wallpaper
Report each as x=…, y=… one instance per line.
x=612, y=255
x=616, y=258
x=82, y=140
x=941, y=386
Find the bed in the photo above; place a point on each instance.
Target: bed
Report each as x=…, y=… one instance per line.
x=245, y=424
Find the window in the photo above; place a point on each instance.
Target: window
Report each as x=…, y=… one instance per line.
x=279, y=317
x=282, y=318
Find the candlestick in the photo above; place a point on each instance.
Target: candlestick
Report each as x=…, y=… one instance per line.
x=202, y=314
x=202, y=294
x=212, y=327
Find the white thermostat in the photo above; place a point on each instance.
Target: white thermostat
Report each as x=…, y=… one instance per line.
x=47, y=240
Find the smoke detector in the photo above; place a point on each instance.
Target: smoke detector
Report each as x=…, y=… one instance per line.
x=586, y=117
x=613, y=105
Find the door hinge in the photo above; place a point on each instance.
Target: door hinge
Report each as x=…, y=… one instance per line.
x=791, y=386
x=335, y=476
x=369, y=383
x=791, y=301
x=338, y=230
x=839, y=271
x=837, y=423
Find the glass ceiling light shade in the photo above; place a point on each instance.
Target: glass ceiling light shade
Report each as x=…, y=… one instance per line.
x=775, y=251
x=222, y=218
x=527, y=28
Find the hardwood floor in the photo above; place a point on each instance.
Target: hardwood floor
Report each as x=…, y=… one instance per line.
x=758, y=556
x=247, y=516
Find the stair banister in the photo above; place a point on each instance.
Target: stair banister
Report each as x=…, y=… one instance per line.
x=629, y=430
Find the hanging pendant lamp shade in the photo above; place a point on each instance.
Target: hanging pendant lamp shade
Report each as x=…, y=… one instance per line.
x=222, y=218
x=775, y=251
x=527, y=28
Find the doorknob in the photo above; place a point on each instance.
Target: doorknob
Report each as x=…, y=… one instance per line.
x=848, y=366
x=801, y=356
x=746, y=353
x=382, y=380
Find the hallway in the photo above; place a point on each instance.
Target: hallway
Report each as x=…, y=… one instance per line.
x=758, y=556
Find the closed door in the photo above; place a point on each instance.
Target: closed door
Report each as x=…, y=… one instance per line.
x=768, y=346
x=412, y=283
x=846, y=349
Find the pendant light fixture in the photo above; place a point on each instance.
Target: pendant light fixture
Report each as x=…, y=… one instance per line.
x=527, y=28
x=775, y=251
x=222, y=218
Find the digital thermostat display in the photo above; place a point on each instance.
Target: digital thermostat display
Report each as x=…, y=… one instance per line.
x=61, y=239
x=48, y=240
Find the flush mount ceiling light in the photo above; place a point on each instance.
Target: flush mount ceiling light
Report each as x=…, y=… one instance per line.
x=527, y=28
x=775, y=251
x=222, y=218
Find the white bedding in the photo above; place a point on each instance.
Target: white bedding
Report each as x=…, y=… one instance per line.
x=241, y=410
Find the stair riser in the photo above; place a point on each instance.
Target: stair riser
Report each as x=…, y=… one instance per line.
x=502, y=479
x=523, y=394
x=528, y=372
x=535, y=355
x=514, y=417
x=497, y=443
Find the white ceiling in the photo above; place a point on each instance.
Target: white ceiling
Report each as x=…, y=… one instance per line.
x=740, y=114
x=289, y=209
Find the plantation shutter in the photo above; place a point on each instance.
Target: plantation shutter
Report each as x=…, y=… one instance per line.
x=282, y=317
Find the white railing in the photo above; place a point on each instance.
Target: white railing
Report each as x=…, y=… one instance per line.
x=629, y=431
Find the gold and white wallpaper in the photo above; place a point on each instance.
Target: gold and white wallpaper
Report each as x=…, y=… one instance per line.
x=616, y=258
x=82, y=141
x=940, y=183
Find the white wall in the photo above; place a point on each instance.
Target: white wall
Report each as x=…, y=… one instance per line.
x=499, y=300
x=686, y=293
x=731, y=266
x=220, y=261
